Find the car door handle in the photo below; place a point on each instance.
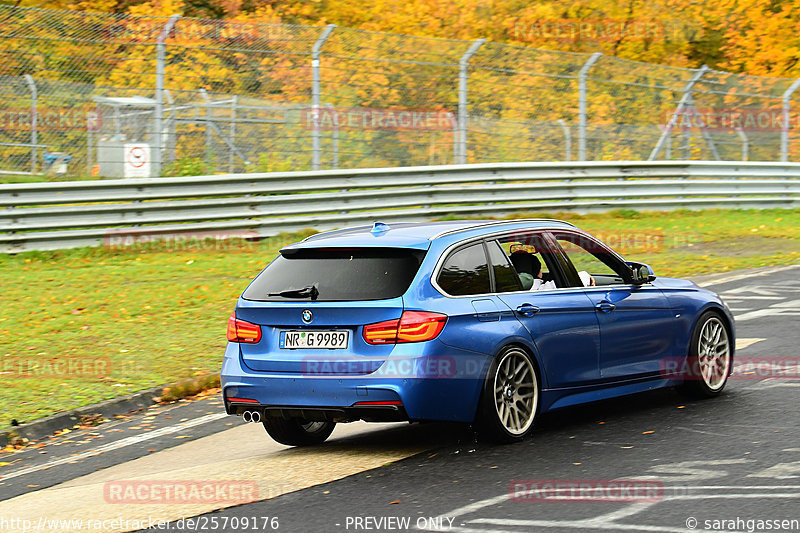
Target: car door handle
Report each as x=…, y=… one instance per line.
x=605, y=307
x=527, y=310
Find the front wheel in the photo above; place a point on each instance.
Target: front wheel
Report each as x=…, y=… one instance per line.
x=510, y=398
x=297, y=432
x=710, y=357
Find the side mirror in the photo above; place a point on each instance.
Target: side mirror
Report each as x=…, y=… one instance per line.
x=641, y=273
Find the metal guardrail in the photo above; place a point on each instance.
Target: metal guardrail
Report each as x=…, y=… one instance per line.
x=46, y=216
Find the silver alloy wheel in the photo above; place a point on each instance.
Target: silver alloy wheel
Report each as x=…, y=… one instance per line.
x=714, y=353
x=516, y=394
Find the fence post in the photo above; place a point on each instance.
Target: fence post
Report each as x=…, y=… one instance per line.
x=209, y=136
x=567, y=139
x=463, y=111
x=156, y=152
x=315, y=95
x=169, y=146
x=787, y=95
x=745, y=144
x=582, y=103
x=335, y=163
x=232, y=132
x=34, y=120
x=686, y=97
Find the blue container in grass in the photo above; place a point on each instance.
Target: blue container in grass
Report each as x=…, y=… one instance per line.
x=56, y=162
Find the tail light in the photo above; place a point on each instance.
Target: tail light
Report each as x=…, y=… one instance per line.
x=242, y=331
x=412, y=326
x=242, y=400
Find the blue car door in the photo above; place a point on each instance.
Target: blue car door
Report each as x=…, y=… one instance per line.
x=636, y=322
x=562, y=323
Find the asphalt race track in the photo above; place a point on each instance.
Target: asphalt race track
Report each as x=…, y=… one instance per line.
x=656, y=462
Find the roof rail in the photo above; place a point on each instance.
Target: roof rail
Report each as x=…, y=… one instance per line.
x=357, y=228
x=448, y=232
x=496, y=223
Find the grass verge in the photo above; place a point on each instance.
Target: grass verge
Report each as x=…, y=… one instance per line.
x=80, y=326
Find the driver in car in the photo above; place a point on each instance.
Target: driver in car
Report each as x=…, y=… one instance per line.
x=529, y=269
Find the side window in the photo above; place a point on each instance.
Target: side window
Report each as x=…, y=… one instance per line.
x=530, y=245
x=594, y=264
x=465, y=272
x=505, y=277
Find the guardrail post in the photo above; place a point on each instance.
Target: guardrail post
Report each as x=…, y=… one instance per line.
x=34, y=120
x=582, y=81
x=686, y=97
x=567, y=139
x=463, y=102
x=158, y=147
x=316, y=51
x=787, y=95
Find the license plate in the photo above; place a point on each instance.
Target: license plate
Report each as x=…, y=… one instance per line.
x=330, y=340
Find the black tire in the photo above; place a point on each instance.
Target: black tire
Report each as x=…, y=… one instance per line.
x=510, y=397
x=710, y=358
x=297, y=432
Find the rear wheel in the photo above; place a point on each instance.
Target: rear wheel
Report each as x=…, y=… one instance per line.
x=710, y=357
x=297, y=432
x=510, y=398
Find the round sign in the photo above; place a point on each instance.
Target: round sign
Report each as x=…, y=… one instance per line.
x=137, y=156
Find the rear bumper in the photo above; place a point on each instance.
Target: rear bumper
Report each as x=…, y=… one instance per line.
x=337, y=398
x=368, y=413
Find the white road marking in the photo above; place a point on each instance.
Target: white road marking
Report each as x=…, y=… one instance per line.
x=790, y=303
x=769, y=311
x=608, y=521
x=691, y=430
x=728, y=297
x=127, y=441
x=687, y=471
x=744, y=342
x=772, y=383
x=780, y=471
x=737, y=277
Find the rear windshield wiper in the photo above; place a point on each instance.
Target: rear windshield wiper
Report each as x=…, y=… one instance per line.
x=306, y=292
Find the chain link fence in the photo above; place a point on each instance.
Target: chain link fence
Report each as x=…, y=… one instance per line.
x=131, y=96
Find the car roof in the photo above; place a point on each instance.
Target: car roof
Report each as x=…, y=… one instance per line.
x=415, y=234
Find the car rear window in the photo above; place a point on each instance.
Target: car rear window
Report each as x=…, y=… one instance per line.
x=465, y=272
x=337, y=274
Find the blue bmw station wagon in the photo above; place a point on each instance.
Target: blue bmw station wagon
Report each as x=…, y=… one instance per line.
x=483, y=322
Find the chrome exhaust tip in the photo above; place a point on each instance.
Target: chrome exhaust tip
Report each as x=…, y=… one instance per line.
x=247, y=416
x=255, y=417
